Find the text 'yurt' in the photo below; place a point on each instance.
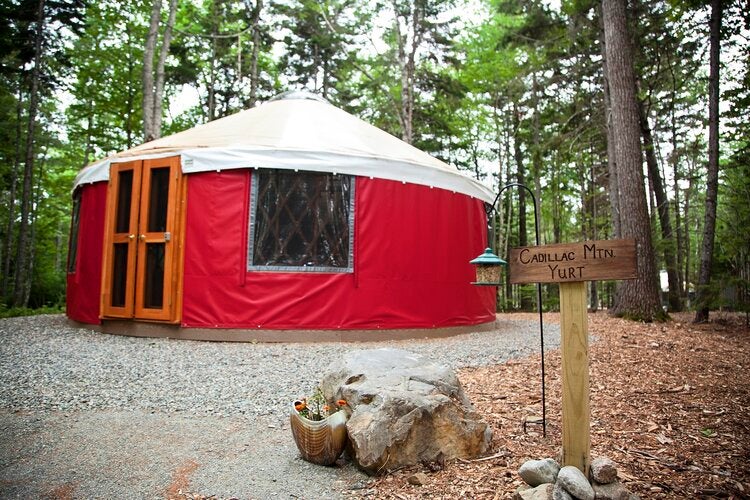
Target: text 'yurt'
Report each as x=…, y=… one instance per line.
x=293, y=215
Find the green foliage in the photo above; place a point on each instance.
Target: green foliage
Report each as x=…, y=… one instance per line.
x=512, y=92
x=212, y=51
x=732, y=288
x=12, y=312
x=319, y=36
x=106, y=114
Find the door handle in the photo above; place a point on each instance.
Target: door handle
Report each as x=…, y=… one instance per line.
x=142, y=237
x=131, y=236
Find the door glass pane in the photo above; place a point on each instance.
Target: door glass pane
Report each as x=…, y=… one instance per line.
x=157, y=200
x=153, y=293
x=119, y=274
x=124, y=193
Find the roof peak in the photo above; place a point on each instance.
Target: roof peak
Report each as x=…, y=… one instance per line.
x=298, y=94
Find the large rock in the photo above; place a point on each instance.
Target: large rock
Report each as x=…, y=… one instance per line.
x=405, y=409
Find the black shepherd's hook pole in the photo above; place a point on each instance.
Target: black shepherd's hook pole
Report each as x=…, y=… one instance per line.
x=538, y=289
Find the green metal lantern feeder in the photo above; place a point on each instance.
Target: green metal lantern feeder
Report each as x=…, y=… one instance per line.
x=488, y=268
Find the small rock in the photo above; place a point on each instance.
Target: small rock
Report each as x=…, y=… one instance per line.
x=361, y=485
x=611, y=491
x=603, y=470
x=575, y=483
x=559, y=493
x=537, y=472
x=520, y=490
x=541, y=492
x=418, y=479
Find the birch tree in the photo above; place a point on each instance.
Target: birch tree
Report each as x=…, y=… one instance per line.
x=153, y=77
x=712, y=182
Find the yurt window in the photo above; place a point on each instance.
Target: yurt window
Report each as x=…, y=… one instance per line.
x=301, y=221
x=74, y=224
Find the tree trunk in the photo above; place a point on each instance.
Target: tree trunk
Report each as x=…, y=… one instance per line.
x=130, y=101
x=674, y=161
x=526, y=299
x=20, y=293
x=520, y=178
x=12, y=196
x=37, y=191
x=148, y=72
x=412, y=37
x=536, y=148
x=662, y=208
x=614, y=193
x=594, y=229
x=638, y=298
x=707, y=249
x=255, y=20
x=159, y=85
x=688, y=246
x=499, y=209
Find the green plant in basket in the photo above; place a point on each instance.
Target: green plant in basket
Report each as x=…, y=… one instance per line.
x=316, y=407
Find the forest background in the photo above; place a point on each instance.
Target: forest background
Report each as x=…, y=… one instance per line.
x=507, y=90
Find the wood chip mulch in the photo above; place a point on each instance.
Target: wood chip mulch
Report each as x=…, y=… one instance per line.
x=670, y=404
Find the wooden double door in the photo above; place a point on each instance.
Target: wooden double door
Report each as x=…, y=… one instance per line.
x=143, y=241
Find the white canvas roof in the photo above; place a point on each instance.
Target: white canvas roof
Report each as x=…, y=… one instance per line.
x=301, y=132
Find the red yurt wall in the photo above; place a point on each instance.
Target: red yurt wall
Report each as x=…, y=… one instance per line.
x=412, y=245
x=84, y=284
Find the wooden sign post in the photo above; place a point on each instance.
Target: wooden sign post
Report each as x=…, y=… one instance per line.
x=572, y=265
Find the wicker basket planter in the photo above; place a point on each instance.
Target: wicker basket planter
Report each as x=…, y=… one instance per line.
x=320, y=442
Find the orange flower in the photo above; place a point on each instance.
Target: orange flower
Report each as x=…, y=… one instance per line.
x=341, y=402
x=299, y=405
x=326, y=408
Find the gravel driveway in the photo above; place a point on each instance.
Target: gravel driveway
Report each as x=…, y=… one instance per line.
x=90, y=415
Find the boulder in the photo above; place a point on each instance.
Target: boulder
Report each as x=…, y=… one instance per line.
x=536, y=472
x=405, y=409
x=574, y=482
x=603, y=470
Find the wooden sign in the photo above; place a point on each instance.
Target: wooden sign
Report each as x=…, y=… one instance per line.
x=572, y=265
x=571, y=262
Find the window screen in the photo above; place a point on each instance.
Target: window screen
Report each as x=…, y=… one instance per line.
x=301, y=221
x=74, y=223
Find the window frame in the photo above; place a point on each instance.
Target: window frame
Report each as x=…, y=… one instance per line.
x=253, y=207
x=74, y=233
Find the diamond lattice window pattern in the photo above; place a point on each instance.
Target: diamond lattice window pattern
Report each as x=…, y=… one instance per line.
x=302, y=219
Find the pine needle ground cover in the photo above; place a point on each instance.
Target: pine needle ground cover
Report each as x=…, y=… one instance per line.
x=670, y=404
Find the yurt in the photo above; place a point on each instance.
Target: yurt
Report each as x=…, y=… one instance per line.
x=293, y=220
